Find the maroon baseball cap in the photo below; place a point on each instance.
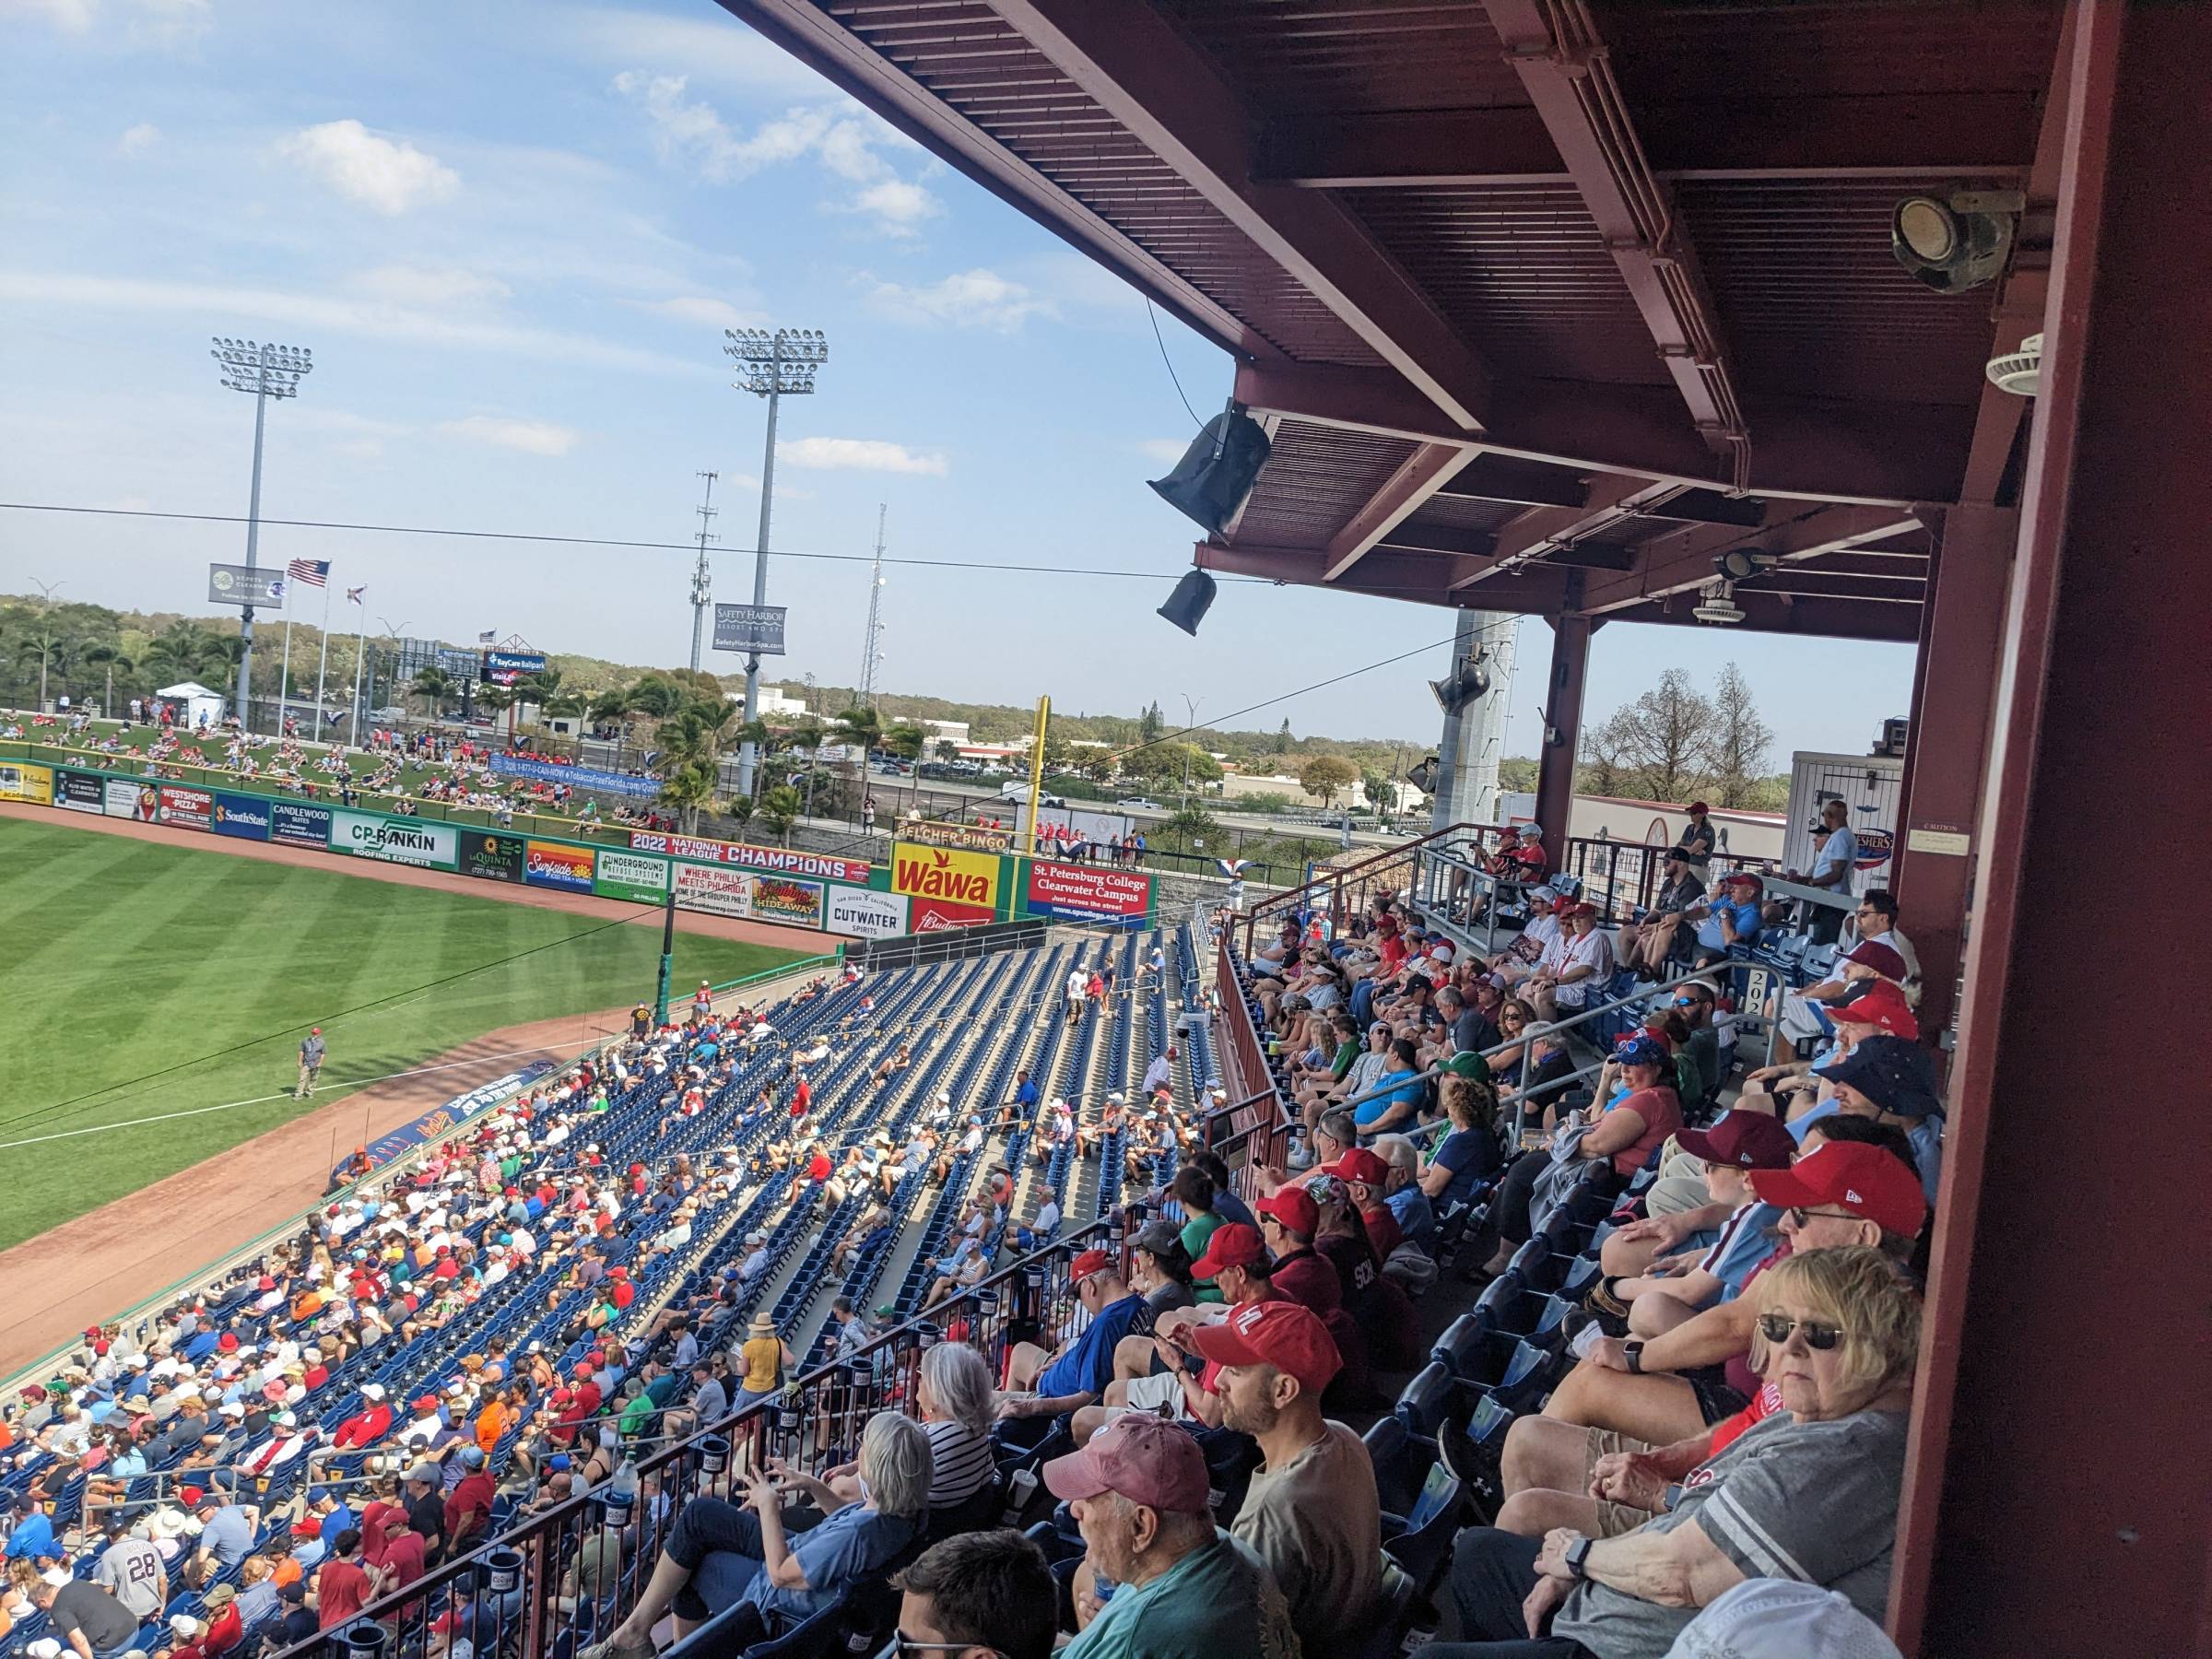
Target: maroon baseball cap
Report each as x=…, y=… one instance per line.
x=1750, y=1140
x=1232, y=1245
x=1867, y=1180
x=1359, y=1165
x=1147, y=1459
x=1286, y=1334
x=1885, y=961
x=1295, y=1208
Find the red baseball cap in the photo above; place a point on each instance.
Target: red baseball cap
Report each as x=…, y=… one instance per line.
x=1147, y=1459
x=427, y=1403
x=1295, y=1208
x=1882, y=1006
x=1750, y=1140
x=1232, y=1245
x=1864, y=1180
x=1359, y=1165
x=1286, y=1334
x=1088, y=1263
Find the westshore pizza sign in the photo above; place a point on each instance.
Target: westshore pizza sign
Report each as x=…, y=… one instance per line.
x=784, y=861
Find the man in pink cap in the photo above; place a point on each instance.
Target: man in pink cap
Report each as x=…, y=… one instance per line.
x=1158, y=1576
x=1311, y=1512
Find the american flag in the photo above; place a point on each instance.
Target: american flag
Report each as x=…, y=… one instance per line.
x=313, y=572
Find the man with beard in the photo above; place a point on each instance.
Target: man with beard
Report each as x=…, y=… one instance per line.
x=1311, y=1512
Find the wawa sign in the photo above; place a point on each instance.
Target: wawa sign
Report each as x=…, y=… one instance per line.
x=947, y=874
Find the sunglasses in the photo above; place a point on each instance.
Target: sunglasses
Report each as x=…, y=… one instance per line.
x=1776, y=1329
x=1798, y=1216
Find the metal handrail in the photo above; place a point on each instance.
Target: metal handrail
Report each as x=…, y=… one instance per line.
x=1336, y=875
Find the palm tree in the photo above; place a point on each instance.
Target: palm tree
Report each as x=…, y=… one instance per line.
x=433, y=686
x=110, y=657
x=779, y=809
x=609, y=705
x=495, y=700
x=688, y=787
x=907, y=742
x=52, y=648
x=177, y=653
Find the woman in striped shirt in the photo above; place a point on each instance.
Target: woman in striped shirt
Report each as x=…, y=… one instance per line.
x=955, y=1398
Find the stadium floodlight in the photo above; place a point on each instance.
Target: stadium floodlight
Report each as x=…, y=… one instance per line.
x=265, y=370
x=775, y=366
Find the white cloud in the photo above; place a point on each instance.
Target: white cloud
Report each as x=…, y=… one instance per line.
x=138, y=140
x=257, y=310
x=858, y=455
x=390, y=176
x=1166, y=451
x=144, y=22
x=415, y=285
x=706, y=313
x=977, y=298
x=715, y=49
x=532, y=437
x=844, y=137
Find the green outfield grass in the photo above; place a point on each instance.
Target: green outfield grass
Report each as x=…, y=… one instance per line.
x=120, y=960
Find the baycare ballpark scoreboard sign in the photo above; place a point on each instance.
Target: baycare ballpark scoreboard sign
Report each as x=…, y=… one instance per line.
x=784, y=861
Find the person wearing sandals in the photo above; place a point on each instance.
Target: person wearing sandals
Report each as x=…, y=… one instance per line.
x=723, y=1555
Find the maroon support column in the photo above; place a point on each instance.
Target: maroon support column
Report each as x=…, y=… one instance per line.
x=1564, y=727
x=1960, y=633
x=2057, y=1499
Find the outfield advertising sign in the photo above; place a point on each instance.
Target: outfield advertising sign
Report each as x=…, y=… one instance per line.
x=576, y=777
x=21, y=781
x=859, y=914
x=139, y=802
x=946, y=876
x=298, y=825
x=713, y=889
x=190, y=808
x=784, y=861
x=630, y=876
x=246, y=817
x=552, y=865
x=430, y=846
x=935, y=915
x=78, y=792
x=491, y=857
x=787, y=899
x=1087, y=893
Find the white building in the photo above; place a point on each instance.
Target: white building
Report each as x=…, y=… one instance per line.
x=772, y=702
x=944, y=730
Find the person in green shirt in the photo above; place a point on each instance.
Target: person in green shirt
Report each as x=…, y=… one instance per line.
x=1194, y=1188
x=1158, y=1580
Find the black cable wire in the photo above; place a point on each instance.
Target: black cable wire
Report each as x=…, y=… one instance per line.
x=45, y=1114
x=1153, y=315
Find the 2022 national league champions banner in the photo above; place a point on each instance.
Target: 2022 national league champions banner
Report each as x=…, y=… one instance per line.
x=785, y=860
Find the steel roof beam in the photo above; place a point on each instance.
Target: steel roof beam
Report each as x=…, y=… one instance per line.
x=1814, y=617
x=818, y=39
x=1141, y=70
x=1892, y=135
x=1681, y=563
x=1421, y=578
x=1417, y=477
x=1571, y=82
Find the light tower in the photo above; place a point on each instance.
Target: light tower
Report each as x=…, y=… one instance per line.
x=774, y=366
x=265, y=370
x=871, y=649
x=703, y=591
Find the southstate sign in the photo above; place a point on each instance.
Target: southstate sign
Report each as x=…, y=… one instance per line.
x=945, y=873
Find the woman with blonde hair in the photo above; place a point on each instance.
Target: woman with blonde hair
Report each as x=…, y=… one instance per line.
x=1803, y=1484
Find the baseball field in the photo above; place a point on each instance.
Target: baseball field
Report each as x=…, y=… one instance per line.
x=141, y=981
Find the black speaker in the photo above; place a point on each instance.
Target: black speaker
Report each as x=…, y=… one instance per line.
x=1215, y=473
x=1471, y=681
x=1423, y=777
x=1193, y=597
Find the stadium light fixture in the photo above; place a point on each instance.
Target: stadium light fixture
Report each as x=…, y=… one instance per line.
x=774, y=365
x=263, y=369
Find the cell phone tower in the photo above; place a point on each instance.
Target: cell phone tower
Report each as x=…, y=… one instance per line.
x=871, y=645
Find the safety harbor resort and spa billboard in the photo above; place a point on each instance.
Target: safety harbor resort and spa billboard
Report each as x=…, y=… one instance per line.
x=432, y=846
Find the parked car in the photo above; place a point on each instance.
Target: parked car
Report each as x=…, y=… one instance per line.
x=1139, y=804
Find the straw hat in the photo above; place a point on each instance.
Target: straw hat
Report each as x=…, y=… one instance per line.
x=763, y=1326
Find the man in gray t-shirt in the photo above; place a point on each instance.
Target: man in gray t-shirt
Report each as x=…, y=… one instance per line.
x=1816, y=1502
x=132, y=1571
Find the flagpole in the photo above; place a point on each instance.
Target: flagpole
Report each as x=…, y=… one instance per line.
x=284, y=676
x=324, y=663
x=354, y=720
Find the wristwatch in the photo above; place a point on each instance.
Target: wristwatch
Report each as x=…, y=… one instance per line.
x=1578, y=1557
x=1632, y=1352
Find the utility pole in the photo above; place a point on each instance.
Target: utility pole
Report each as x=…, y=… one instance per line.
x=774, y=366
x=1189, y=706
x=265, y=370
x=660, y=999
x=701, y=578
x=871, y=647
x=47, y=588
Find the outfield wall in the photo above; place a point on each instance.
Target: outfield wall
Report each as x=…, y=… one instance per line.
x=924, y=888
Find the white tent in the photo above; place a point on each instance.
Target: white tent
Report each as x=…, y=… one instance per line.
x=195, y=702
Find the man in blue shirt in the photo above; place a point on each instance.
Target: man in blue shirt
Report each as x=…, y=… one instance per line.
x=1833, y=867
x=1732, y=918
x=1076, y=1374
x=32, y=1539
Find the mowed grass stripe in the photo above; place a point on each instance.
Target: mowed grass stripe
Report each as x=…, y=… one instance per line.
x=121, y=958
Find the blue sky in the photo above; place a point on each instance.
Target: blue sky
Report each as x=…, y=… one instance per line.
x=512, y=235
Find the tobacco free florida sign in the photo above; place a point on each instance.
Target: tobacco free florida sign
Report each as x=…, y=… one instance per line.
x=396, y=841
